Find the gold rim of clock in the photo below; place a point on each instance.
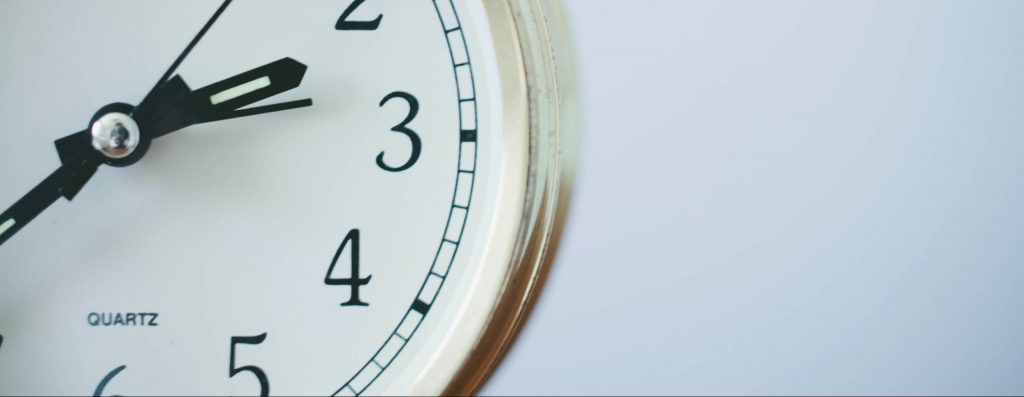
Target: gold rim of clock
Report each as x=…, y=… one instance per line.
x=537, y=80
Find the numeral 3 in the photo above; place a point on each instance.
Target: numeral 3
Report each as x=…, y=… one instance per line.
x=403, y=128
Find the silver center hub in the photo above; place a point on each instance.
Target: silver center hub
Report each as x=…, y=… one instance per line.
x=115, y=135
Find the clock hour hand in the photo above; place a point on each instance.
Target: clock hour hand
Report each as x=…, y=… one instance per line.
x=66, y=181
x=173, y=105
x=170, y=107
x=177, y=106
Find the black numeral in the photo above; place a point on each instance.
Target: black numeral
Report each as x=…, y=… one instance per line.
x=351, y=239
x=344, y=24
x=260, y=375
x=403, y=128
x=107, y=379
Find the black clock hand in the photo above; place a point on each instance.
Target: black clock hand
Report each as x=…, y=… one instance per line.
x=175, y=106
x=62, y=182
x=78, y=159
x=71, y=145
x=172, y=107
x=224, y=99
x=181, y=57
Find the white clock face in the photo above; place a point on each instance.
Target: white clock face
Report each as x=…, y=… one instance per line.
x=326, y=249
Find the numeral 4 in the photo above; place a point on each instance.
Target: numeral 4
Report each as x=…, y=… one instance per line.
x=351, y=241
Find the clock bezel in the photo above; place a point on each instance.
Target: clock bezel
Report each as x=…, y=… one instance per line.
x=538, y=82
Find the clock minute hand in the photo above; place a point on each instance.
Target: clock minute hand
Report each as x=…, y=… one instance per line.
x=65, y=181
x=177, y=106
x=188, y=49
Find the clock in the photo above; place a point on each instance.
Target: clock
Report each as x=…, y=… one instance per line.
x=268, y=197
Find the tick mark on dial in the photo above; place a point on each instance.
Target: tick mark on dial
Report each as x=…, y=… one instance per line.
x=420, y=306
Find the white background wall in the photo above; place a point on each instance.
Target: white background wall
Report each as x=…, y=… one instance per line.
x=790, y=197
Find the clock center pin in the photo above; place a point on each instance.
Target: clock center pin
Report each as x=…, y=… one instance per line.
x=116, y=135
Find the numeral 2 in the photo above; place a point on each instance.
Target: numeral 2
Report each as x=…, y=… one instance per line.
x=260, y=375
x=344, y=24
x=351, y=239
